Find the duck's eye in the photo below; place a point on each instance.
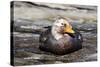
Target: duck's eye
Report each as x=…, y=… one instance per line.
x=62, y=23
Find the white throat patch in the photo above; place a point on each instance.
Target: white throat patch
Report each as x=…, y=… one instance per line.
x=56, y=35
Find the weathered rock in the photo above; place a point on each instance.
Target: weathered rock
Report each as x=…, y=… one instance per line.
x=31, y=18
x=49, y=11
x=24, y=25
x=87, y=27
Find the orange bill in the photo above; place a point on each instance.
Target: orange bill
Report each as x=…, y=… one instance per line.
x=69, y=29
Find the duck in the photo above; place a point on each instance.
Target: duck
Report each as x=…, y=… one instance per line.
x=60, y=38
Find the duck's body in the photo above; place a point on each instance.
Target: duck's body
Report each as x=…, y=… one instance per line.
x=60, y=43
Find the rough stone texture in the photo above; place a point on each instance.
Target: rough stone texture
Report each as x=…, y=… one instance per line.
x=30, y=19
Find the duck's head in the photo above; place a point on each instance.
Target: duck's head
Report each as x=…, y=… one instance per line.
x=63, y=26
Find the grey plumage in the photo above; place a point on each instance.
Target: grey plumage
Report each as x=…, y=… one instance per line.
x=61, y=46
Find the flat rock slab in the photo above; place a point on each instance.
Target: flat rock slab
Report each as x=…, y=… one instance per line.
x=26, y=49
x=29, y=20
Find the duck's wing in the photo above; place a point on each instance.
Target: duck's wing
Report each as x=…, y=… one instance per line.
x=44, y=35
x=78, y=35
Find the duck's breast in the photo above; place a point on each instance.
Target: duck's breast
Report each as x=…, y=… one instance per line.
x=67, y=45
x=64, y=45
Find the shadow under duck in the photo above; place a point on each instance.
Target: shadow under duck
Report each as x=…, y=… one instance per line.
x=60, y=38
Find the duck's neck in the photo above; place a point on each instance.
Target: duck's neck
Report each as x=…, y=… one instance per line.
x=55, y=34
